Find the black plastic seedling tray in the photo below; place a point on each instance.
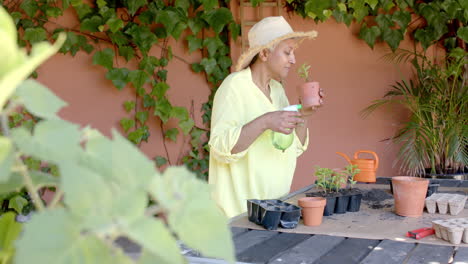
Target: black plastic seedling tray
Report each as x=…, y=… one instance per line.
x=273, y=213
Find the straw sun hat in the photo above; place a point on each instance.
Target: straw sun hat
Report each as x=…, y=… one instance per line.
x=267, y=33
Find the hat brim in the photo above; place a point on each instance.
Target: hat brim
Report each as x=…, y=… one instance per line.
x=246, y=57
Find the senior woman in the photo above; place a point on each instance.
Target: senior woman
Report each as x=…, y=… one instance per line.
x=244, y=164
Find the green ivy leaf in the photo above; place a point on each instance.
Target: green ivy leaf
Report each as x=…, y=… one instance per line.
x=7, y=158
x=115, y=24
x=163, y=62
x=402, y=18
x=91, y=24
x=104, y=58
x=159, y=90
x=16, y=17
x=218, y=18
x=52, y=11
x=136, y=136
x=83, y=10
x=197, y=67
x=425, y=36
x=35, y=35
x=160, y=161
x=148, y=101
x=127, y=123
x=369, y=35
x=387, y=4
x=186, y=125
x=127, y=52
x=118, y=76
x=146, y=17
x=183, y=4
x=462, y=33
x=195, y=24
x=224, y=62
x=118, y=38
x=209, y=4
x=39, y=100
x=208, y=64
x=30, y=7
x=235, y=30
x=138, y=78
x=163, y=109
x=372, y=3
x=178, y=29
x=180, y=113
x=129, y=106
x=142, y=116
x=162, y=74
x=212, y=45
x=140, y=91
x=392, y=37
x=384, y=21
x=101, y=3
x=17, y=203
x=171, y=134
x=195, y=134
x=142, y=37
x=134, y=5
x=169, y=19
x=148, y=63
x=317, y=7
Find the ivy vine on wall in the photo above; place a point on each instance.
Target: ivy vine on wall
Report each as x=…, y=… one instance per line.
x=128, y=29
x=428, y=22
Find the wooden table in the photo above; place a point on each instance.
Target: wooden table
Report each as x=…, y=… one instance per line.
x=258, y=246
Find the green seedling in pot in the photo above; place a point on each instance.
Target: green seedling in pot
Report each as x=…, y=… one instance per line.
x=350, y=171
x=303, y=71
x=326, y=179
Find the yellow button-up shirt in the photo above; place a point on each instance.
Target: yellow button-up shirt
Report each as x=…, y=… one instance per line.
x=261, y=171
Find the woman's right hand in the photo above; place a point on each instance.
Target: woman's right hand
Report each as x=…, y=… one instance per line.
x=282, y=121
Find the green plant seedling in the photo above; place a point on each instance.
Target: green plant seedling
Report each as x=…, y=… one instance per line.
x=303, y=71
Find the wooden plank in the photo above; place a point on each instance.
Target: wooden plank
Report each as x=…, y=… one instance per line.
x=350, y=251
x=251, y=238
x=461, y=256
x=309, y=250
x=425, y=253
x=389, y=252
x=276, y=245
x=236, y=231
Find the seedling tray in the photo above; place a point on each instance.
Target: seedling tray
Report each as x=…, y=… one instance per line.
x=272, y=214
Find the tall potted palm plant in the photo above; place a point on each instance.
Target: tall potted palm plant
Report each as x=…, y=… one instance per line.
x=434, y=138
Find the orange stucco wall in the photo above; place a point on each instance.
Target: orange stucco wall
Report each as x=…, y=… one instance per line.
x=351, y=74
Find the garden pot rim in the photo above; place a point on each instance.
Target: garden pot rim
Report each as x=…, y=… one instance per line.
x=312, y=201
x=409, y=179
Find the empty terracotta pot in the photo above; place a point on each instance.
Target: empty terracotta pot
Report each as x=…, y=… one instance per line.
x=312, y=210
x=409, y=194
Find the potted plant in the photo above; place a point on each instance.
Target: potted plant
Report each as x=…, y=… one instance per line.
x=433, y=139
x=309, y=90
x=355, y=194
x=326, y=184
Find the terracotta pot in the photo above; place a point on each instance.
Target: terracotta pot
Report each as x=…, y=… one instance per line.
x=310, y=94
x=312, y=210
x=409, y=194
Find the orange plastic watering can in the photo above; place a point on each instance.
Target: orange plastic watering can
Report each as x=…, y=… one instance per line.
x=368, y=167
